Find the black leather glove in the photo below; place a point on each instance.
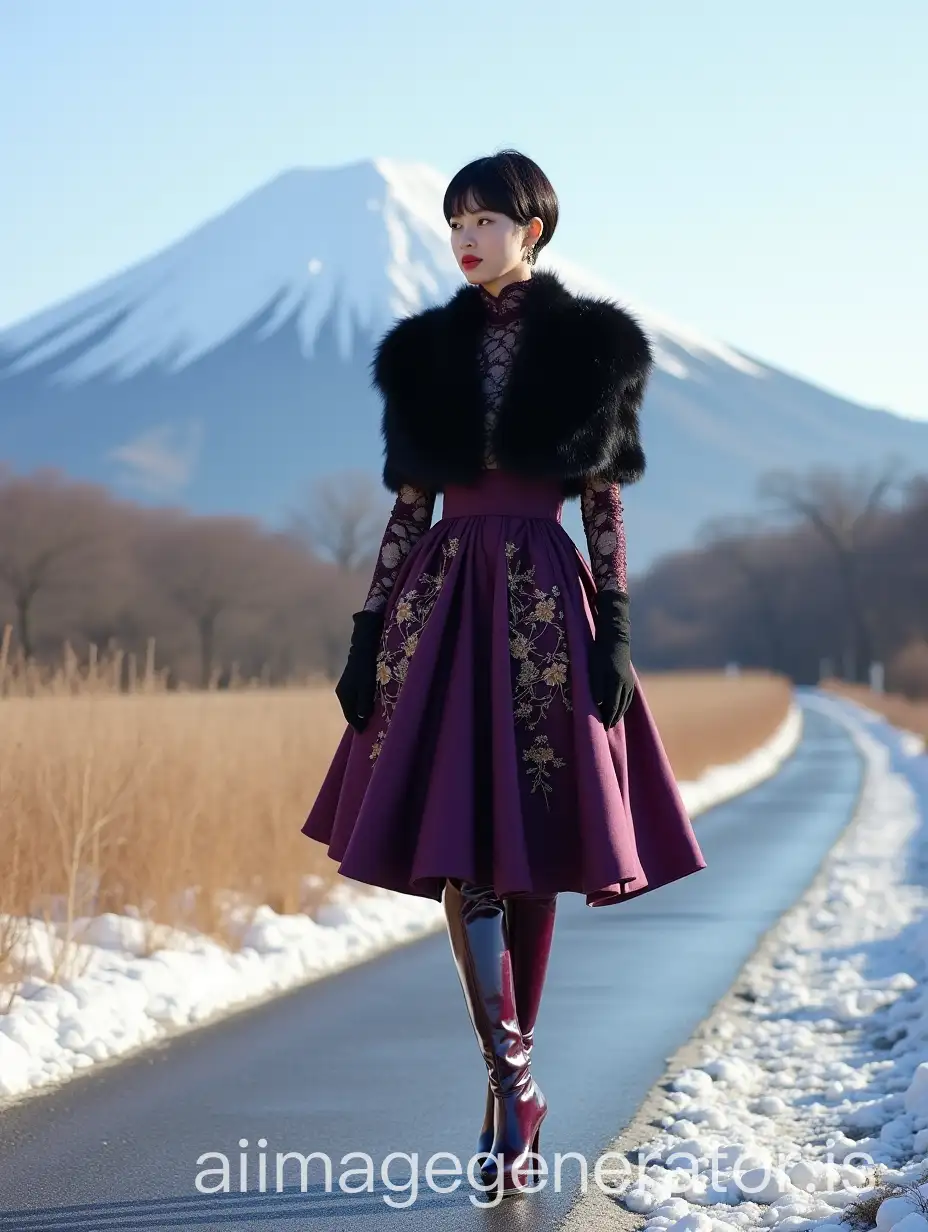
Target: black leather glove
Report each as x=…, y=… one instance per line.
x=610, y=657
x=356, y=685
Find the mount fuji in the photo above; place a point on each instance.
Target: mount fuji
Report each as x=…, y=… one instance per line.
x=227, y=371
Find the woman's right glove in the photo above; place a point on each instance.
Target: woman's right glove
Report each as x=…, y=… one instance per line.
x=611, y=678
x=357, y=683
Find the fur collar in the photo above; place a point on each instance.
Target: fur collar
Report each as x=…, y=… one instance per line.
x=570, y=405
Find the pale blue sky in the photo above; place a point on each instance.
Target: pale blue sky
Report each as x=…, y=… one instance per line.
x=756, y=170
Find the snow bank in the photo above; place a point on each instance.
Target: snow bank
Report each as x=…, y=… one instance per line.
x=719, y=783
x=815, y=1067
x=123, y=999
x=131, y=992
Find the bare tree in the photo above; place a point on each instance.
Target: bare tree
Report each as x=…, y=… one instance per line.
x=842, y=509
x=341, y=518
x=53, y=535
x=741, y=543
x=209, y=567
x=308, y=608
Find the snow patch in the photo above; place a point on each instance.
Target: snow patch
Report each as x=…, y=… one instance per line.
x=813, y=1069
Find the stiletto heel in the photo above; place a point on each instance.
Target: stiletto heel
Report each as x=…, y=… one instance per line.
x=536, y=1150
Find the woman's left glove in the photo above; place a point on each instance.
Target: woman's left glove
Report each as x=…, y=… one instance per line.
x=611, y=678
x=357, y=684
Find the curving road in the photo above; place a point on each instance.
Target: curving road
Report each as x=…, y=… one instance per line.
x=382, y=1058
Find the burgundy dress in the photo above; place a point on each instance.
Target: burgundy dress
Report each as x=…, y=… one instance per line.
x=485, y=758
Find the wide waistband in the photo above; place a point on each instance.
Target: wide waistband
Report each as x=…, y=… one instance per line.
x=501, y=493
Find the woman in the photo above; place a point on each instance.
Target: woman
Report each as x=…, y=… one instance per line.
x=500, y=750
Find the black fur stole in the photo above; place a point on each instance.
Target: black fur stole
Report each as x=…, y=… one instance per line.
x=570, y=404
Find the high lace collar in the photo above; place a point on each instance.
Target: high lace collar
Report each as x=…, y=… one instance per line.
x=507, y=306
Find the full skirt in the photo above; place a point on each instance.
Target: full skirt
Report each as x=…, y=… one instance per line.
x=485, y=758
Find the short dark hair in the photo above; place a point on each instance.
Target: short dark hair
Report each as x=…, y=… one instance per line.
x=508, y=183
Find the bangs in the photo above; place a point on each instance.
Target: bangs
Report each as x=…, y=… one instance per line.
x=478, y=188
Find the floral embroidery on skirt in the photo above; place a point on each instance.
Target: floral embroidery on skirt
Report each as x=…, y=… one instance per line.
x=409, y=616
x=538, y=644
x=495, y=767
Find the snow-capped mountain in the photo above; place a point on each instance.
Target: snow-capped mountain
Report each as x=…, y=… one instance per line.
x=228, y=370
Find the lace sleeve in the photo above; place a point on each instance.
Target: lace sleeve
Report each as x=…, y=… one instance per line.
x=411, y=517
x=601, y=509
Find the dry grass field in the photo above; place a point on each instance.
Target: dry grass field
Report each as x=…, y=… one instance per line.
x=901, y=712
x=166, y=804
x=707, y=719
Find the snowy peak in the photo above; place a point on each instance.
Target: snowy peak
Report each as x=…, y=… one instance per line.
x=361, y=244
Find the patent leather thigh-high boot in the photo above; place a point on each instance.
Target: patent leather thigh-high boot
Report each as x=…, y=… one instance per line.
x=477, y=930
x=530, y=922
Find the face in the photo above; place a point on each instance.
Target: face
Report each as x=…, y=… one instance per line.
x=497, y=242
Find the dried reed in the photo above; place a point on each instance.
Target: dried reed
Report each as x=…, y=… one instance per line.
x=120, y=795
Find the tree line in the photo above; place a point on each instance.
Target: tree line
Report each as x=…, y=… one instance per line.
x=79, y=566
x=828, y=574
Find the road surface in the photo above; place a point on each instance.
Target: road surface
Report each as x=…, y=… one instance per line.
x=381, y=1058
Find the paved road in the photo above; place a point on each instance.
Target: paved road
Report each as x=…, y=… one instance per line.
x=381, y=1058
